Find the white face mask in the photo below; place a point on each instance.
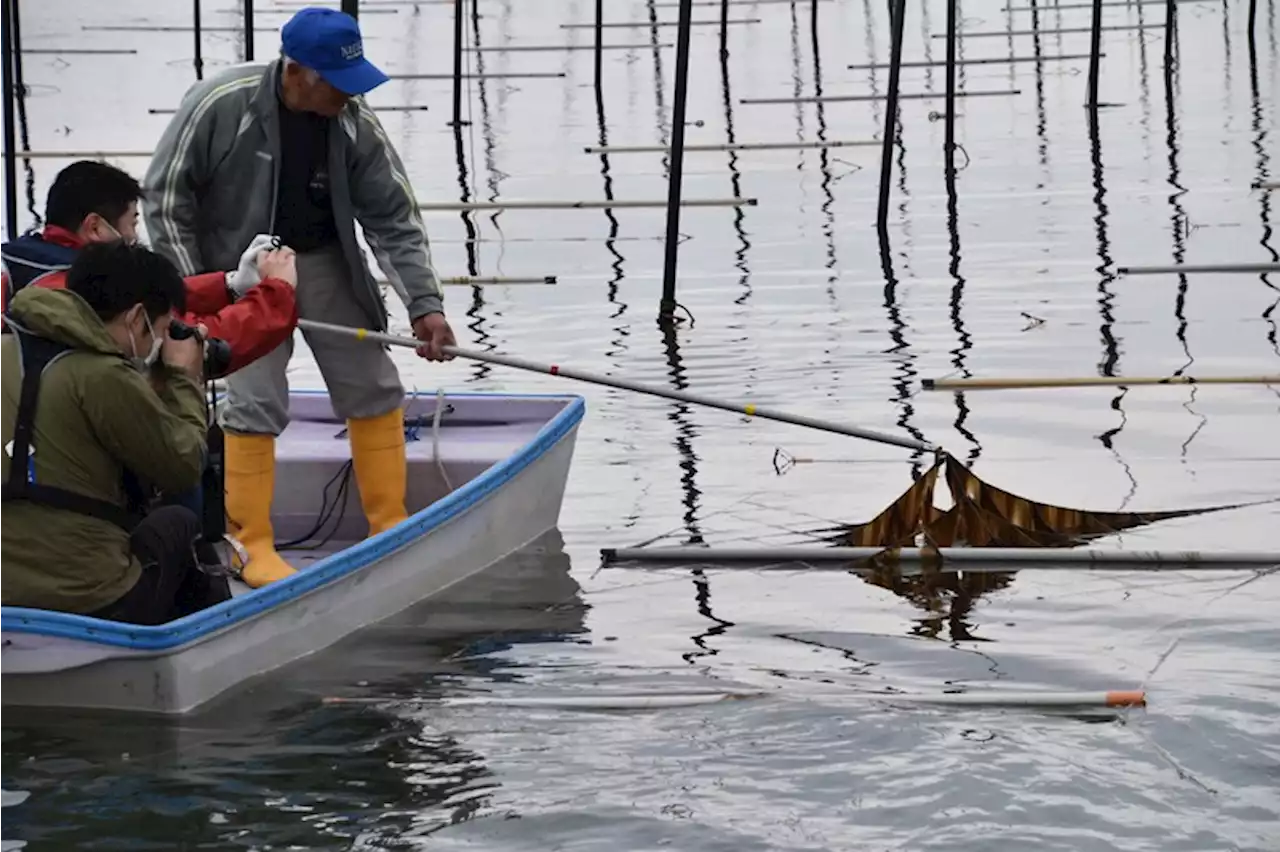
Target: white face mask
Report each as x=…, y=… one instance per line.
x=144, y=362
x=119, y=236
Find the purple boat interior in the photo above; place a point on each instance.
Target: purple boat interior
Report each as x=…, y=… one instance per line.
x=474, y=433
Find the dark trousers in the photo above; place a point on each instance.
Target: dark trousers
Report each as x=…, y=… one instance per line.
x=171, y=585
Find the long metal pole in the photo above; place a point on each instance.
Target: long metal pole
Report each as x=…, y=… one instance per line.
x=667, y=307
x=10, y=132
x=457, y=63
x=1095, y=53
x=599, y=46
x=622, y=384
x=1127, y=560
x=949, y=143
x=248, y=30
x=198, y=61
x=352, y=8
x=898, y=9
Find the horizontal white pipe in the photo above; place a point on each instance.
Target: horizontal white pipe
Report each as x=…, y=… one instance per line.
x=513, y=48
x=1045, y=32
x=735, y=146
x=495, y=281
x=1054, y=7
x=655, y=701
x=79, y=51
x=909, y=96
x=480, y=281
x=732, y=3
x=504, y=75
x=1188, y=268
x=80, y=155
x=1017, y=383
x=1120, y=559
x=1267, y=184
x=986, y=60
x=168, y=28
x=636, y=25
x=593, y=204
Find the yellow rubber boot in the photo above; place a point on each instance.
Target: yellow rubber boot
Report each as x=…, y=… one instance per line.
x=378, y=456
x=250, y=482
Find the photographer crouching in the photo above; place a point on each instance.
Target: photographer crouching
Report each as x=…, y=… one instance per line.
x=102, y=392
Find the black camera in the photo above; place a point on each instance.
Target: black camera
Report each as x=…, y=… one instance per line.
x=217, y=352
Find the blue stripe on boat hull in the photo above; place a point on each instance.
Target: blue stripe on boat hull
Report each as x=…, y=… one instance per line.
x=200, y=625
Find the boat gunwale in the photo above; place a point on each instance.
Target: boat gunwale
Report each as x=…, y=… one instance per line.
x=200, y=626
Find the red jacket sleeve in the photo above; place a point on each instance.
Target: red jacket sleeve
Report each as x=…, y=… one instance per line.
x=207, y=293
x=260, y=321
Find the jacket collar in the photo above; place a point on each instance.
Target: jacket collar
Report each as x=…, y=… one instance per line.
x=61, y=237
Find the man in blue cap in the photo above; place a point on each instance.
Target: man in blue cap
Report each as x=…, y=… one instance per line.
x=290, y=148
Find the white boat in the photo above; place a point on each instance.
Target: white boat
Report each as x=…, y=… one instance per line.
x=485, y=478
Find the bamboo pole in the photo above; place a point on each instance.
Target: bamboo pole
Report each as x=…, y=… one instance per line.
x=480, y=281
x=1007, y=558
x=1056, y=7
x=515, y=48
x=1046, y=32
x=81, y=51
x=748, y=409
x=504, y=75
x=986, y=60
x=1188, y=268
x=166, y=28
x=80, y=155
x=913, y=96
x=675, y=169
x=736, y=146
x=1091, y=381
x=593, y=204
x=7, y=59
x=639, y=25
x=374, y=107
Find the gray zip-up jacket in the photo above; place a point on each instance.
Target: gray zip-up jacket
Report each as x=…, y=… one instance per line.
x=211, y=187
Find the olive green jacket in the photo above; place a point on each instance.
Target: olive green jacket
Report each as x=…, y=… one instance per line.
x=96, y=415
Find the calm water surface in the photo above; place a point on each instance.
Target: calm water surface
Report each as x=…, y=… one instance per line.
x=795, y=307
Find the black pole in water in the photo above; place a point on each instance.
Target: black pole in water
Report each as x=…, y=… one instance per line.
x=457, y=63
x=898, y=11
x=949, y=143
x=1095, y=48
x=10, y=134
x=352, y=8
x=195, y=28
x=1253, y=16
x=1170, y=30
x=599, y=42
x=248, y=30
x=667, y=308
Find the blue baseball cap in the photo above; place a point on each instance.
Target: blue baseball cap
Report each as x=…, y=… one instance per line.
x=328, y=42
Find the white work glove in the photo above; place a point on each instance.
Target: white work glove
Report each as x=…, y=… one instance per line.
x=247, y=275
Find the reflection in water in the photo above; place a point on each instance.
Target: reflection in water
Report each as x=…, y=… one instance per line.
x=19, y=94
x=1110, y=343
x=947, y=598
x=824, y=161
x=659, y=96
x=339, y=772
x=735, y=176
x=679, y=415
x=1042, y=119
x=479, y=323
x=965, y=341
x=1263, y=174
x=1179, y=230
x=702, y=596
x=622, y=330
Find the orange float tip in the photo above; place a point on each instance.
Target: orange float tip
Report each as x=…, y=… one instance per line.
x=1127, y=698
